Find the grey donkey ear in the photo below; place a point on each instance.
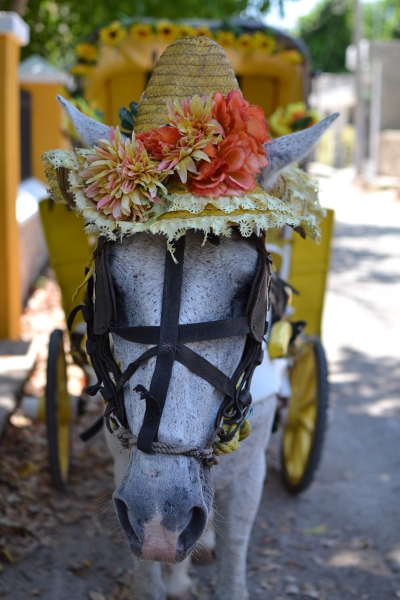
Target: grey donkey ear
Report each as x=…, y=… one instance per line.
x=288, y=149
x=89, y=130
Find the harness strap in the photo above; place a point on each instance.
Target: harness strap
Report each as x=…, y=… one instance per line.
x=204, y=369
x=167, y=347
x=188, y=333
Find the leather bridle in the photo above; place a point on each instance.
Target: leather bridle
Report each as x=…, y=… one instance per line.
x=168, y=344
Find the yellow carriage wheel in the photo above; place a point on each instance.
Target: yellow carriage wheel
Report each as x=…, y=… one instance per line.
x=58, y=411
x=304, y=431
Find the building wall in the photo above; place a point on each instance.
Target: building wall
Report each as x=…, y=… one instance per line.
x=388, y=53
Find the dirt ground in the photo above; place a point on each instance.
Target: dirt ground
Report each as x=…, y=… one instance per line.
x=339, y=540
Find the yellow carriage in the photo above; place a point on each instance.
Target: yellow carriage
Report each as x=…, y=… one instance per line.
x=273, y=72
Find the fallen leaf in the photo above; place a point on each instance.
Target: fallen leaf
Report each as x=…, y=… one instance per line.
x=319, y=561
x=295, y=564
x=271, y=567
x=96, y=596
x=317, y=530
x=292, y=590
x=7, y=555
x=309, y=591
x=29, y=469
x=269, y=552
x=265, y=585
x=34, y=592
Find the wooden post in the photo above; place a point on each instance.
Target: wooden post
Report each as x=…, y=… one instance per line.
x=13, y=33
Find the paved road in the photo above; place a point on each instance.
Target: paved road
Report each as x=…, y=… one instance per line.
x=339, y=540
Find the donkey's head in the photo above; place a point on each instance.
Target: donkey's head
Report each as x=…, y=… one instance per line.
x=163, y=502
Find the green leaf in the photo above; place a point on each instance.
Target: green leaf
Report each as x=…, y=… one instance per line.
x=134, y=108
x=317, y=530
x=126, y=116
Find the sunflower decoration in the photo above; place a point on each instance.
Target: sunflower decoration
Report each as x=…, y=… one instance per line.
x=203, y=30
x=293, y=56
x=185, y=30
x=141, y=32
x=264, y=43
x=224, y=38
x=86, y=52
x=81, y=69
x=244, y=42
x=294, y=117
x=113, y=34
x=167, y=31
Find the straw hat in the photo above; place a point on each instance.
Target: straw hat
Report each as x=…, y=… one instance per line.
x=189, y=67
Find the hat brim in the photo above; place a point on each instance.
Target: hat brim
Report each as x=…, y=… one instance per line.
x=297, y=205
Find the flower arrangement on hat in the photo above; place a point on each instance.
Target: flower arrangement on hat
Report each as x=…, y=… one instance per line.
x=211, y=146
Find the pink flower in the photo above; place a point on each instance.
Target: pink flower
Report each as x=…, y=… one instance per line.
x=121, y=178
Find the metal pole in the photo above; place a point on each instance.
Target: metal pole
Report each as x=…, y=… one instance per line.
x=360, y=126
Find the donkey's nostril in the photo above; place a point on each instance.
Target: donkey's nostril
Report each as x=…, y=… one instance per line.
x=123, y=517
x=194, y=530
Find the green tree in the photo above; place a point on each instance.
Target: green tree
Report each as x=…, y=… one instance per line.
x=381, y=19
x=327, y=31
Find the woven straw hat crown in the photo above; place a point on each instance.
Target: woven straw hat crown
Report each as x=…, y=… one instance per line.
x=192, y=65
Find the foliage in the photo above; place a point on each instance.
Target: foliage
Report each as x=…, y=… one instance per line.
x=327, y=31
x=382, y=19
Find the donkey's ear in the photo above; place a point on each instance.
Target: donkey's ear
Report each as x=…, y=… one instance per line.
x=288, y=149
x=89, y=130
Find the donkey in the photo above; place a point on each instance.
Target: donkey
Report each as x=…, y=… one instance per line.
x=164, y=503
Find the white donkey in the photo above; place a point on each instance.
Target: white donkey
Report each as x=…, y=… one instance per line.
x=164, y=503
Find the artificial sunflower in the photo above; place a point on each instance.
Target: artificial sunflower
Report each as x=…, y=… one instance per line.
x=293, y=56
x=86, y=52
x=203, y=30
x=141, y=31
x=245, y=42
x=113, y=34
x=263, y=43
x=167, y=31
x=225, y=39
x=185, y=30
x=81, y=70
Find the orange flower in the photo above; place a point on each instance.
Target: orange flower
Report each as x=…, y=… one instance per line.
x=234, y=161
x=230, y=172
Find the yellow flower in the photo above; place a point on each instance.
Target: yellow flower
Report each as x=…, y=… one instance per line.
x=278, y=123
x=141, y=31
x=185, y=30
x=244, y=42
x=264, y=43
x=225, y=38
x=293, y=56
x=81, y=70
x=203, y=30
x=113, y=34
x=294, y=117
x=167, y=31
x=86, y=52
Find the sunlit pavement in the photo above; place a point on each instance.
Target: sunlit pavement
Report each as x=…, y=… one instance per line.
x=354, y=503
